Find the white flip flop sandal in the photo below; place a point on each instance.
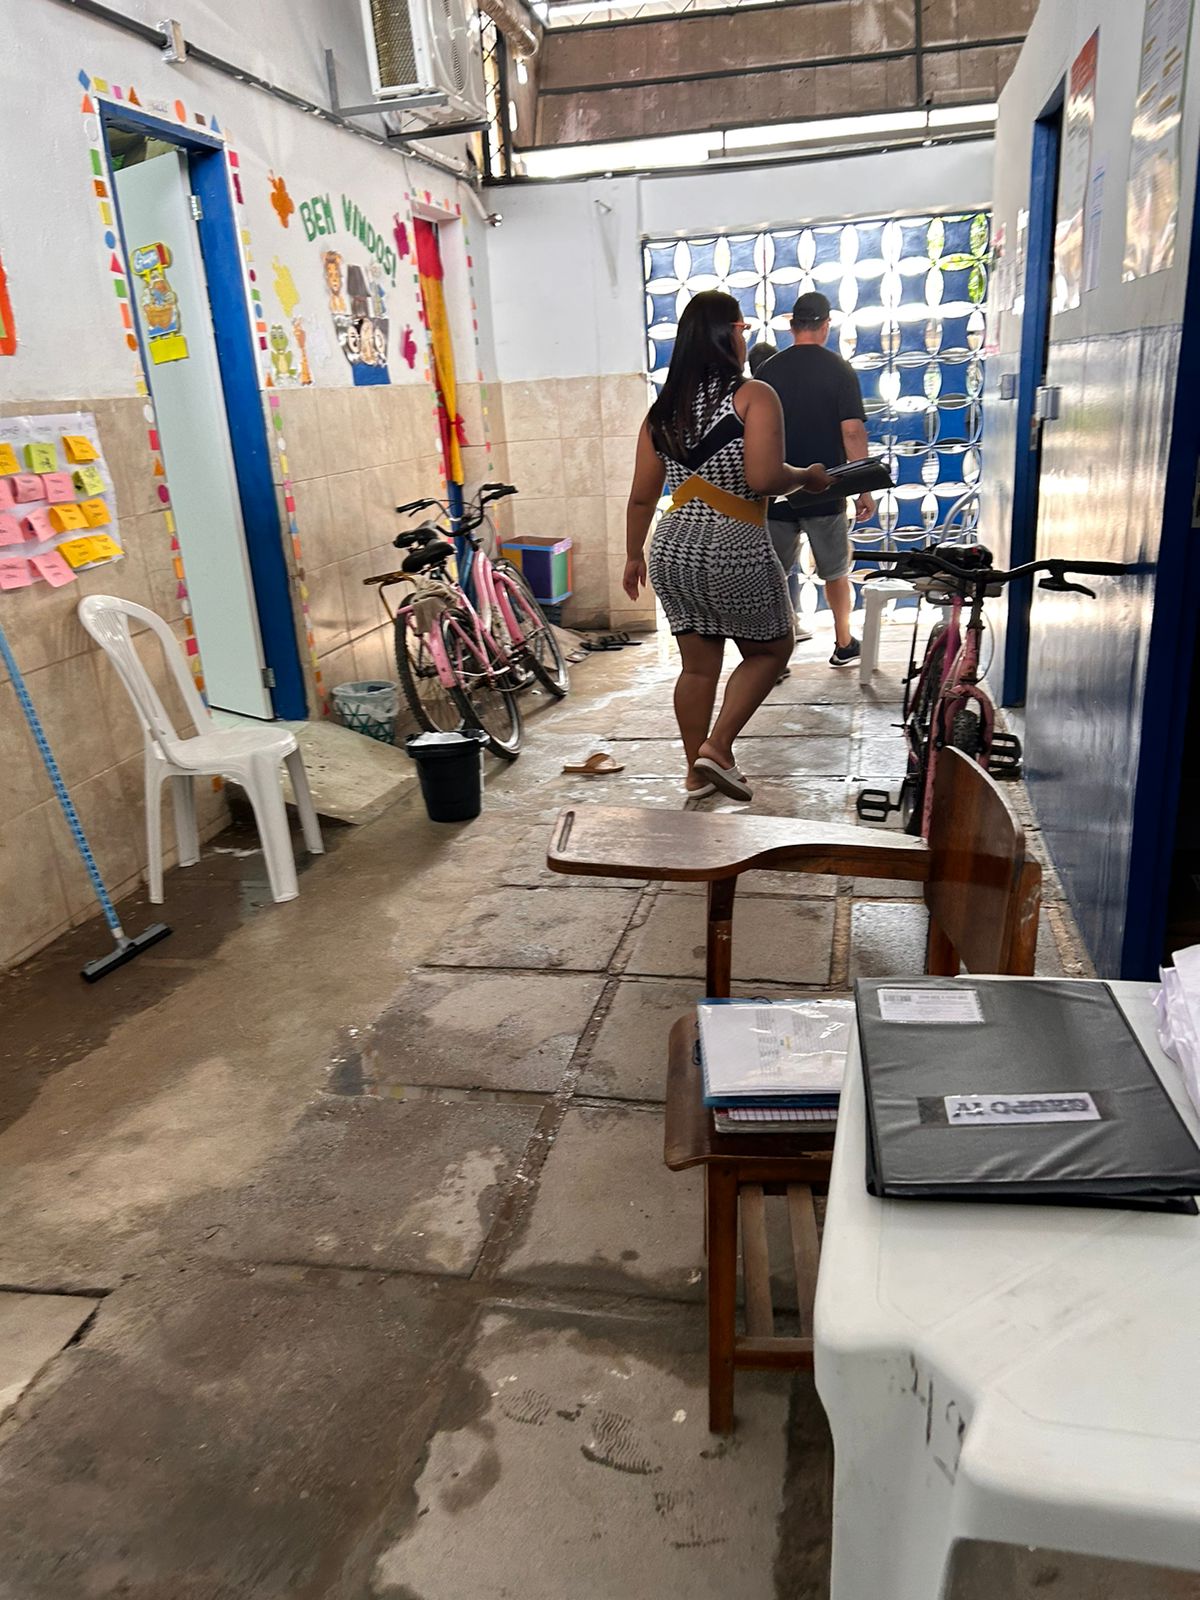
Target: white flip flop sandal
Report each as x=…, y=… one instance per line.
x=702, y=793
x=728, y=780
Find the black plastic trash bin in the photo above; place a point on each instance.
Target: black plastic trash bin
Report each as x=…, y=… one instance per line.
x=450, y=768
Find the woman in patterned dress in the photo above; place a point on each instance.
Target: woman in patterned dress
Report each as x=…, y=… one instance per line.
x=719, y=439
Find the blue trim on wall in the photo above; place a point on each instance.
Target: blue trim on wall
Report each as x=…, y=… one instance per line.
x=1039, y=256
x=243, y=401
x=1173, y=644
x=248, y=432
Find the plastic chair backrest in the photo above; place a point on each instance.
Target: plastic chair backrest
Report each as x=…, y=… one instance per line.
x=106, y=618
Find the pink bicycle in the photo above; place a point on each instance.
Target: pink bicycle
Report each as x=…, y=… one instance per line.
x=462, y=660
x=944, y=703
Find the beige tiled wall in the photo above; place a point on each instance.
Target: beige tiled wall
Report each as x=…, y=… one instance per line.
x=353, y=456
x=569, y=447
x=87, y=715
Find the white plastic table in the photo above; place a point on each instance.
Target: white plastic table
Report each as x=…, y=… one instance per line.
x=1025, y=1374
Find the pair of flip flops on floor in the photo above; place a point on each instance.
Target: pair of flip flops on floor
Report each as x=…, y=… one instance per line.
x=721, y=780
x=610, y=641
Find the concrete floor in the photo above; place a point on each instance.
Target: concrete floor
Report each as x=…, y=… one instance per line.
x=354, y=1270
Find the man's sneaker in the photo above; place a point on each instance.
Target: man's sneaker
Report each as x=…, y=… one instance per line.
x=802, y=635
x=845, y=655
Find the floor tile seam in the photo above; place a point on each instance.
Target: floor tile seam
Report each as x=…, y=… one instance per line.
x=522, y=1187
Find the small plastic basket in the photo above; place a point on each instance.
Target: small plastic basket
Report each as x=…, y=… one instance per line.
x=368, y=708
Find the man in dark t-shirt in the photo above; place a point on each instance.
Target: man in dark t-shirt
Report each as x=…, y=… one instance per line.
x=824, y=421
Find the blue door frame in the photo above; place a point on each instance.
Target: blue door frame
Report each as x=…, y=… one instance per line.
x=218, y=235
x=1035, y=323
x=1173, y=642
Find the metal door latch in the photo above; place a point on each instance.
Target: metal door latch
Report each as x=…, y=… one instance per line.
x=1046, y=402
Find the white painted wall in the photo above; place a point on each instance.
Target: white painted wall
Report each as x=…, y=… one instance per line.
x=70, y=337
x=566, y=267
x=1059, y=30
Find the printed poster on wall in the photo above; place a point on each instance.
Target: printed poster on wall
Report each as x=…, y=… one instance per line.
x=1152, y=190
x=1074, y=177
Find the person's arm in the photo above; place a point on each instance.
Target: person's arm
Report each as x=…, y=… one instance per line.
x=648, y=478
x=766, y=470
x=854, y=438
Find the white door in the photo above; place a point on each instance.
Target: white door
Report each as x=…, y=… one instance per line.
x=170, y=297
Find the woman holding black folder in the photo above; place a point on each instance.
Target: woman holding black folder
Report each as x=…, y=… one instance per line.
x=719, y=439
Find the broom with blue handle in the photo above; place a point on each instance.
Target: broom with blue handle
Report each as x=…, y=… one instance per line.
x=125, y=948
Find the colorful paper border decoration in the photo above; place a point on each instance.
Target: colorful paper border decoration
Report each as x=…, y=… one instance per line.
x=93, y=89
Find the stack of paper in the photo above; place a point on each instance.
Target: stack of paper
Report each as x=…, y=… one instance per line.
x=774, y=1066
x=1178, y=1006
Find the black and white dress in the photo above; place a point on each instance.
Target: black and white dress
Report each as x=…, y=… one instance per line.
x=716, y=575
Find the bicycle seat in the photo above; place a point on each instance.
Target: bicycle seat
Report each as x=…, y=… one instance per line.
x=426, y=533
x=433, y=554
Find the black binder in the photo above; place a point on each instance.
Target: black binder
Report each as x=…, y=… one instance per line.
x=1047, y=1098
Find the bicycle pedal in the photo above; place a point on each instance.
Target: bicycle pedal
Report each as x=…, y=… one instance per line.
x=875, y=805
x=1004, y=761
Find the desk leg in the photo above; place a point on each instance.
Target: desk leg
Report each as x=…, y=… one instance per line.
x=719, y=947
x=721, y=1203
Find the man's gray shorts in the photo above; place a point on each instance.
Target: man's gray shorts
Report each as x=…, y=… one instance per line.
x=828, y=536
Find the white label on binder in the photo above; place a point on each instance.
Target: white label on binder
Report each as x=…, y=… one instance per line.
x=986, y=1110
x=929, y=1005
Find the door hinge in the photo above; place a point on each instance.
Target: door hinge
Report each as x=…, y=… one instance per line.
x=268, y=677
x=196, y=207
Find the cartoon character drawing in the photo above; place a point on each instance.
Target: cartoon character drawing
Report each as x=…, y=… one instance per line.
x=378, y=300
x=335, y=283
x=356, y=288
x=352, y=340
x=282, y=359
x=379, y=342
x=160, y=304
x=301, y=338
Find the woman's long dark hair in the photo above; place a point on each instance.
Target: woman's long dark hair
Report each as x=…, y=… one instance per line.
x=704, y=357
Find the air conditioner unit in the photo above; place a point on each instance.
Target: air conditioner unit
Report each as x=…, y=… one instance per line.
x=419, y=48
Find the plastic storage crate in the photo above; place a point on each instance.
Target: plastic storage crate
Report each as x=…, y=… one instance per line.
x=545, y=564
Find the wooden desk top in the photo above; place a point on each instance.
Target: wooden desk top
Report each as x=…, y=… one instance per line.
x=700, y=846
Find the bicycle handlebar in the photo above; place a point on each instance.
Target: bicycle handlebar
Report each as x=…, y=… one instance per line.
x=929, y=562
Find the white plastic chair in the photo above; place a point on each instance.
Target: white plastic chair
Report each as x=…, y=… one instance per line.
x=249, y=755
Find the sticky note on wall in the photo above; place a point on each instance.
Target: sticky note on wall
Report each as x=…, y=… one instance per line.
x=104, y=547
x=7, y=495
x=78, y=552
x=8, y=459
x=95, y=513
x=66, y=519
x=37, y=525
x=88, y=480
x=10, y=529
x=53, y=568
x=41, y=458
x=79, y=448
x=57, y=487
x=27, y=486
x=15, y=573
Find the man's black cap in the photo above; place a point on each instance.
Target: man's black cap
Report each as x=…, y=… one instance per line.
x=811, y=310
